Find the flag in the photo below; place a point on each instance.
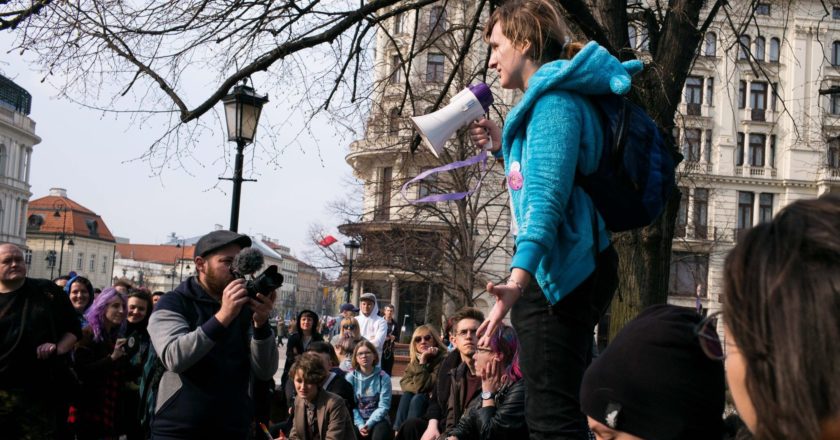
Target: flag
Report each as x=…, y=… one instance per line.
x=327, y=241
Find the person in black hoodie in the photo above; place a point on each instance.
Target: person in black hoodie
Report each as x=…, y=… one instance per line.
x=214, y=340
x=137, y=348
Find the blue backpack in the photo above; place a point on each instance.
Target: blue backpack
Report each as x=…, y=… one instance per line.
x=635, y=177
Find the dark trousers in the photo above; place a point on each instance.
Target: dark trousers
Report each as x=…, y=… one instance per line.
x=411, y=406
x=555, y=344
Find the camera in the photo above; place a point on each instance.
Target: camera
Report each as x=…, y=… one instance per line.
x=264, y=283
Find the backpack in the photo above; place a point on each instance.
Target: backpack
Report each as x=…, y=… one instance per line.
x=636, y=173
x=153, y=370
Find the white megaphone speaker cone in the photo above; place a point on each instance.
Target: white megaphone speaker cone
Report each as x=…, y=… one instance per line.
x=468, y=105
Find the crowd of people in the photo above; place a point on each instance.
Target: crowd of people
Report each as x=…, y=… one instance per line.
x=198, y=362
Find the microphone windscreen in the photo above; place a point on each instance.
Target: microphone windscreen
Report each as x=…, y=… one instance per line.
x=248, y=261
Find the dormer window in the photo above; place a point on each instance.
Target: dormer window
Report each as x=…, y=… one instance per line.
x=34, y=222
x=93, y=227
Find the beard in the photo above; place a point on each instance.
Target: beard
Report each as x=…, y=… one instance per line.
x=217, y=281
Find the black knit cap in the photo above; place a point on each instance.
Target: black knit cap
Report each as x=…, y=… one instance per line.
x=655, y=382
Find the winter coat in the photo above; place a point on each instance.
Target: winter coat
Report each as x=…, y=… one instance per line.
x=505, y=420
x=420, y=378
x=551, y=134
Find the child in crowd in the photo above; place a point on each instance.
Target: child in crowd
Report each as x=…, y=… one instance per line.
x=372, y=389
x=318, y=414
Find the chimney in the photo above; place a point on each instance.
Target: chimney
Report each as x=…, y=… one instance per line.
x=58, y=192
x=217, y=227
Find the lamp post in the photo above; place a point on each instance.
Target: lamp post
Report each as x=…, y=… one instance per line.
x=181, y=261
x=242, y=113
x=60, y=210
x=350, y=248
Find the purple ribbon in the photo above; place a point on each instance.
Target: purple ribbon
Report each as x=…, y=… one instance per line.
x=478, y=158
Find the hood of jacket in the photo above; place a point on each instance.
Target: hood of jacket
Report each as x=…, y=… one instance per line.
x=592, y=71
x=365, y=381
x=375, y=311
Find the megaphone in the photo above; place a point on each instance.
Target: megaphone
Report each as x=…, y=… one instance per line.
x=468, y=105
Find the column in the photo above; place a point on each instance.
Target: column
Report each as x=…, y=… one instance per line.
x=395, y=296
x=357, y=288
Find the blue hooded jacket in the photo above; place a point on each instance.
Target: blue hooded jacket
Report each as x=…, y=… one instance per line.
x=373, y=396
x=550, y=134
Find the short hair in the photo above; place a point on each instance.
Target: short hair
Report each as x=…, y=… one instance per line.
x=310, y=365
x=145, y=297
x=158, y=293
x=57, y=279
x=466, y=313
x=122, y=282
x=371, y=347
x=505, y=342
x=323, y=347
x=389, y=306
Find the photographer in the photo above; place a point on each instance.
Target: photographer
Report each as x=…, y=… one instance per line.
x=213, y=338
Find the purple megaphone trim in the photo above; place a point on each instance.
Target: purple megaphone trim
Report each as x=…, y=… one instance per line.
x=483, y=94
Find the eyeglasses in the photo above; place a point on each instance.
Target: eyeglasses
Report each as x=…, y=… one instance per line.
x=483, y=350
x=707, y=336
x=467, y=331
x=364, y=354
x=348, y=327
x=426, y=338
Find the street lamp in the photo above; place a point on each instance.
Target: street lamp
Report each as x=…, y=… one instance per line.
x=242, y=113
x=60, y=210
x=351, y=248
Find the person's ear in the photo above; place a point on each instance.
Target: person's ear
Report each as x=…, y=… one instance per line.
x=524, y=48
x=199, y=264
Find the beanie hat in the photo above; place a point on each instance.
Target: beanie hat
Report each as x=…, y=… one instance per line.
x=655, y=382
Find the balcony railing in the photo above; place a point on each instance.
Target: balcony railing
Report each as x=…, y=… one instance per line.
x=746, y=170
x=693, y=109
x=695, y=167
x=757, y=114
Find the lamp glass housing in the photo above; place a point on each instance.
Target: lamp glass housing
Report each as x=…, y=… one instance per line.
x=242, y=113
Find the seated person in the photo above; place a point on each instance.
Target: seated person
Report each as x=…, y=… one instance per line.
x=781, y=304
x=499, y=411
x=655, y=382
x=372, y=390
x=426, y=355
x=318, y=414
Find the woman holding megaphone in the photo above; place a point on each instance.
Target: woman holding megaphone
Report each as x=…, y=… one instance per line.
x=564, y=269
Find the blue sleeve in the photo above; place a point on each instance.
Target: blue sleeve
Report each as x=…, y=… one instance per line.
x=357, y=416
x=384, y=407
x=553, y=139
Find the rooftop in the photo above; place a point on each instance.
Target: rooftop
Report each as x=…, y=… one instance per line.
x=56, y=213
x=14, y=96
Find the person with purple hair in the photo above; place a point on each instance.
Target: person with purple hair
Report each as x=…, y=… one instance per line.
x=499, y=411
x=101, y=362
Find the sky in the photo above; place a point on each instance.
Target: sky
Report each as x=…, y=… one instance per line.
x=94, y=156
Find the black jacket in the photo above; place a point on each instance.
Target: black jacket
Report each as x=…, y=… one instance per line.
x=294, y=346
x=439, y=398
x=506, y=420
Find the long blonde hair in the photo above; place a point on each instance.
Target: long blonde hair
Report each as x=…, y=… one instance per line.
x=424, y=330
x=357, y=332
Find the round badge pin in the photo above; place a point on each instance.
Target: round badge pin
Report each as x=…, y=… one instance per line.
x=515, y=180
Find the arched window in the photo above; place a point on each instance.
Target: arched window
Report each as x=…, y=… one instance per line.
x=394, y=122
x=759, y=49
x=774, y=50
x=710, y=48
x=744, y=47
x=835, y=53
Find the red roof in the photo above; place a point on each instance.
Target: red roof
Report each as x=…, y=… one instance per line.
x=79, y=221
x=155, y=253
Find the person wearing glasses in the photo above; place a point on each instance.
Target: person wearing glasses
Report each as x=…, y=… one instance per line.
x=781, y=303
x=499, y=411
x=426, y=354
x=372, y=389
x=655, y=380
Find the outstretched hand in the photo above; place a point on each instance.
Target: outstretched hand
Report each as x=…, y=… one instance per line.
x=506, y=296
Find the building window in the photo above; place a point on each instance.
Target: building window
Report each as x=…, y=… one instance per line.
x=27, y=257
x=745, y=210
x=835, y=12
x=383, y=195
x=80, y=261
x=710, y=91
x=774, y=50
x=707, y=148
x=835, y=104
x=51, y=257
x=771, y=155
x=762, y=9
x=834, y=153
x=682, y=213
x=693, y=94
x=739, y=150
x=710, y=46
x=427, y=186
x=744, y=47
x=394, y=122
x=742, y=94
x=434, y=68
x=631, y=36
x=437, y=20
x=759, y=48
x=701, y=212
x=92, y=265
x=398, y=23
x=104, y=264
x=765, y=207
x=396, y=72
x=758, y=100
x=774, y=96
x=688, y=272
x=691, y=149
x=835, y=53
x=757, y=149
